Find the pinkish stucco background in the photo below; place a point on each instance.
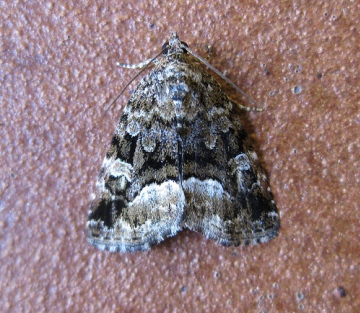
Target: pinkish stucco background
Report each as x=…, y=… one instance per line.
x=57, y=73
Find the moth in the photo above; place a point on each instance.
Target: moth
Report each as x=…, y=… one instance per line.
x=180, y=158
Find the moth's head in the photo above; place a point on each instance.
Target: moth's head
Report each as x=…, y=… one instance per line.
x=174, y=45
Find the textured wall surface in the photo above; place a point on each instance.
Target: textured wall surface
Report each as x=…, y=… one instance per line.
x=58, y=71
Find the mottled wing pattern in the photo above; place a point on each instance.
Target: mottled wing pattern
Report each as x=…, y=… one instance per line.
x=227, y=194
x=180, y=158
x=139, y=199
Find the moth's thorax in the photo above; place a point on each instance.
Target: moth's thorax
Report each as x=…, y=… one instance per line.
x=178, y=78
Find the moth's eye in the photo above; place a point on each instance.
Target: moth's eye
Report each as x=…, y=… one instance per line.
x=184, y=44
x=164, y=48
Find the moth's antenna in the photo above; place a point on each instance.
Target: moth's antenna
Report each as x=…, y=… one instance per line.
x=226, y=79
x=144, y=65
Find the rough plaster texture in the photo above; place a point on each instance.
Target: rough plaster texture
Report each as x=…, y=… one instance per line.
x=58, y=69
